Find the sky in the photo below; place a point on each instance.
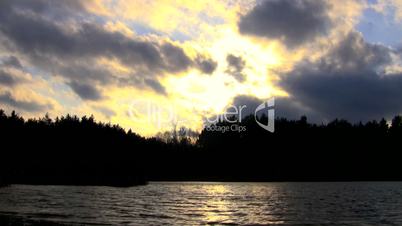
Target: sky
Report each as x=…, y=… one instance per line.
x=150, y=65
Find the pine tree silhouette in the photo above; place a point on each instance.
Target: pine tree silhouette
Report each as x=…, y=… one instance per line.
x=82, y=151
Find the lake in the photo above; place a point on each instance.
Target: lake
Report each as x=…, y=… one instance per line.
x=189, y=203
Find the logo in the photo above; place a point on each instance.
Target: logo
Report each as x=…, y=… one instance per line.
x=267, y=106
x=153, y=113
x=160, y=116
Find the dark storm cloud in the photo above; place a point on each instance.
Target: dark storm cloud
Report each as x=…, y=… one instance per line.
x=11, y=61
x=353, y=54
x=288, y=107
x=85, y=91
x=250, y=103
x=43, y=38
x=285, y=107
x=56, y=10
x=84, y=72
x=176, y=59
x=348, y=82
x=43, y=6
x=206, y=65
x=354, y=97
x=236, y=64
x=155, y=85
x=7, y=79
x=30, y=30
x=292, y=21
x=30, y=106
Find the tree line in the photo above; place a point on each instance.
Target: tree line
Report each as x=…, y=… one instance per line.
x=82, y=151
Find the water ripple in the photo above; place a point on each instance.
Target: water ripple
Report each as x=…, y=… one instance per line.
x=185, y=203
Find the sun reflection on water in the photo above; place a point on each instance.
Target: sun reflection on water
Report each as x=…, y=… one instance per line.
x=225, y=204
x=217, y=207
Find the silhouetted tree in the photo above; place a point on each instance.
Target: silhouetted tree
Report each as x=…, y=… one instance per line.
x=73, y=150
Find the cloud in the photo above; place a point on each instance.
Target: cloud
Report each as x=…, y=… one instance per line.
x=10, y=72
x=56, y=10
x=70, y=50
x=176, y=59
x=185, y=16
x=12, y=61
x=390, y=7
x=293, y=22
x=236, y=64
x=290, y=108
x=30, y=106
x=347, y=82
x=206, y=65
x=250, y=103
x=285, y=107
x=42, y=38
x=85, y=91
x=107, y=112
x=156, y=86
x=7, y=79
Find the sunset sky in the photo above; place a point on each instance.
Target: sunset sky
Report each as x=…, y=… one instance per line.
x=113, y=58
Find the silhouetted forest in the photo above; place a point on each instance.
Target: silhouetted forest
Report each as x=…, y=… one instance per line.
x=81, y=151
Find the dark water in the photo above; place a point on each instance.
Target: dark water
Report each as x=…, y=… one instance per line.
x=188, y=203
